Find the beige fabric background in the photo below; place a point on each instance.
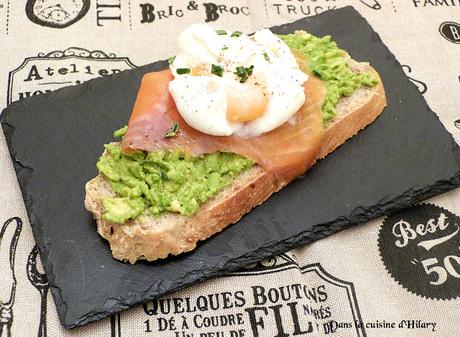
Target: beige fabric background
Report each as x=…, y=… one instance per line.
x=410, y=28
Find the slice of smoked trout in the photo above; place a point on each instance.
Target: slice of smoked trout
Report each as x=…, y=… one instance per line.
x=287, y=151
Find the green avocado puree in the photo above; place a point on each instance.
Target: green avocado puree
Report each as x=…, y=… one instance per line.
x=156, y=182
x=162, y=181
x=327, y=62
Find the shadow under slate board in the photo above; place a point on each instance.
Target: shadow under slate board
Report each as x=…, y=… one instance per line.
x=405, y=156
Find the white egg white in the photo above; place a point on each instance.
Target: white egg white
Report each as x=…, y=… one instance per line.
x=201, y=98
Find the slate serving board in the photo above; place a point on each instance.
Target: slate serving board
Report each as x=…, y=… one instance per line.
x=56, y=139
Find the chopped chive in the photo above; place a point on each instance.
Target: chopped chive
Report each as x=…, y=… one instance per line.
x=182, y=71
x=217, y=70
x=220, y=32
x=171, y=59
x=236, y=34
x=173, y=131
x=120, y=132
x=267, y=58
x=243, y=73
x=224, y=48
x=239, y=71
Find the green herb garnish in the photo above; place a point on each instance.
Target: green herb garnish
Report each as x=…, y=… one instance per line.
x=171, y=59
x=239, y=71
x=220, y=32
x=267, y=58
x=182, y=71
x=217, y=70
x=173, y=131
x=236, y=34
x=224, y=48
x=120, y=132
x=243, y=73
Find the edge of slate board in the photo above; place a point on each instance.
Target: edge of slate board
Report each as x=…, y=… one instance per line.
x=358, y=215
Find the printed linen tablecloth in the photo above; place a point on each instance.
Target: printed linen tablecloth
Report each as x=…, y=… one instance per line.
x=372, y=285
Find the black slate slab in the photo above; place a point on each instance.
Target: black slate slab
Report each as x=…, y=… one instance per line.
x=56, y=139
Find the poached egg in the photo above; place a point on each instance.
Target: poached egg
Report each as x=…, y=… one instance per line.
x=229, y=83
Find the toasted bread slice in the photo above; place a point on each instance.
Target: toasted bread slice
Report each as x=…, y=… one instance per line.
x=152, y=238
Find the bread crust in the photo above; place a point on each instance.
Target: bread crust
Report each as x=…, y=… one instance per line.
x=154, y=238
x=145, y=239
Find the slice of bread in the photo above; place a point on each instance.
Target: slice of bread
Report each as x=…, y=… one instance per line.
x=152, y=238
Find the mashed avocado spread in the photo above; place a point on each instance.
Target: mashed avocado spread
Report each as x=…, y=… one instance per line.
x=156, y=182
x=162, y=181
x=327, y=62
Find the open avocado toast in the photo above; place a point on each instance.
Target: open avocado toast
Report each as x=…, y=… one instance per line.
x=149, y=204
